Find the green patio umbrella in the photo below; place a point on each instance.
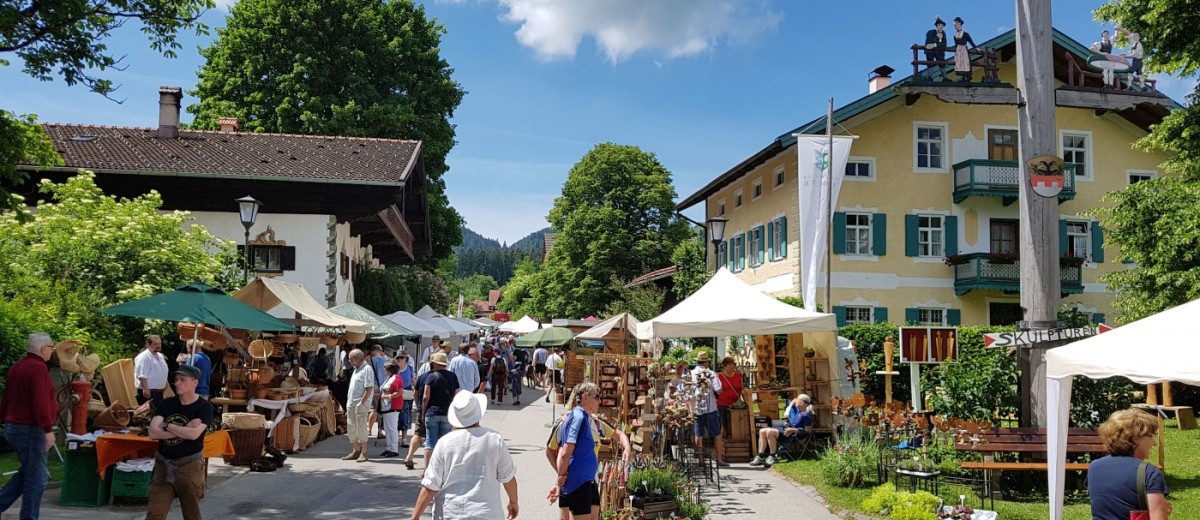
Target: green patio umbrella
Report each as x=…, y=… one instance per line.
x=199, y=303
x=548, y=337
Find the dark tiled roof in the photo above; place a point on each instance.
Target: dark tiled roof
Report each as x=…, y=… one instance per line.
x=652, y=275
x=255, y=155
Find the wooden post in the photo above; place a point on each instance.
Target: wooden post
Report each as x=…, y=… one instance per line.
x=1040, y=283
x=1166, y=396
x=1152, y=394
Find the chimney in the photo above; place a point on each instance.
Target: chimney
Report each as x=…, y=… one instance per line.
x=229, y=125
x=879, y=78
x=168, y=112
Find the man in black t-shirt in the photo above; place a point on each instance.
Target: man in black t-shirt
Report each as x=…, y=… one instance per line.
x=178, y=425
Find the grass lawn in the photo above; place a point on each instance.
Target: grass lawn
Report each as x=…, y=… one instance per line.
x=9, y=462
x=1182, y=468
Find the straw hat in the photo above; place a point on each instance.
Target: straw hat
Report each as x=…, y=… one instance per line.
x=702, y=357
x=67, y=352
x=88, y=365
x=467, y=409
x=438, y=358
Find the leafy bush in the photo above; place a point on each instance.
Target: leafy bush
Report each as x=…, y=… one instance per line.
x=847, y=463
x=868, y=342
x=979, y=385
x=693, y=510
x=882, y=499
x=914, y=506
x=653, y=481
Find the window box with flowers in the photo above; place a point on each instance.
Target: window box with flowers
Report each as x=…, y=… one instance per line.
x=1003, y=257
x=957, y=260
x=1071, y=261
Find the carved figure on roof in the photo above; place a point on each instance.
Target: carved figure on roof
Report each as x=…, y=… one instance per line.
x=962, y=58
x=267, y=238
x=1135, y=57
x=935, y=45
x=1103, y=59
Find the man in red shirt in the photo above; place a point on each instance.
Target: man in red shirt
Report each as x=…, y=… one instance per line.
x=29, y=410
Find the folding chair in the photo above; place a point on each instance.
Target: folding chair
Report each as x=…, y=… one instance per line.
x=796, y=446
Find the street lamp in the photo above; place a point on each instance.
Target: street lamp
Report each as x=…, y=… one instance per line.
x=248, y=209
x=716, y=233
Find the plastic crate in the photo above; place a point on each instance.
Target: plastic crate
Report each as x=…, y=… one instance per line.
x=82, y=485
x=131, y=484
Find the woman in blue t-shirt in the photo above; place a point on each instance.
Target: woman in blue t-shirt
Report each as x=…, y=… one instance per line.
x=1112, y=480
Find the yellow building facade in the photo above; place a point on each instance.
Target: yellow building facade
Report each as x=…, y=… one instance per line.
x=926, y=228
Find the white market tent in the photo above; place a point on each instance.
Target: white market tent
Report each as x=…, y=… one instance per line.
x=418, y=325
x=622, y=321
x=525, y=325
x=267, y=293
x=1151, y=350
x=456, y=328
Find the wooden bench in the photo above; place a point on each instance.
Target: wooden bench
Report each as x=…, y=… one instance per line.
x=1023, y=440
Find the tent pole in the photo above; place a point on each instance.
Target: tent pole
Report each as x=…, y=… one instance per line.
x=829, y=214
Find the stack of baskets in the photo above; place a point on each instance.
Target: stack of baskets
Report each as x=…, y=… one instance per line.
x=249, y=435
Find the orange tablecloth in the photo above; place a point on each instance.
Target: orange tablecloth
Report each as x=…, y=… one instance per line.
x=115, y=447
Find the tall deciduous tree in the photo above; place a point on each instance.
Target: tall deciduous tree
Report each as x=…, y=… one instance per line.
x=691, y=269
x=1156, y=224
x=615, y=219
x=366, y=68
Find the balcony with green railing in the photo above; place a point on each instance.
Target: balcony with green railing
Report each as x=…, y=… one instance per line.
x=987, y=178
x=1002, y=272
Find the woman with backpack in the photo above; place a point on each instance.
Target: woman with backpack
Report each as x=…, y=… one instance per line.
x=499, y=371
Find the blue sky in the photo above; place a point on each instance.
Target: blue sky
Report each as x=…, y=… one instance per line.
x=700, y=83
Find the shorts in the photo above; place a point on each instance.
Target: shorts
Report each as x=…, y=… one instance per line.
x=580, y=501
x=539, y=369
x=405, y=416
x=419, y=426
x=1135, y=66
x=558, y=378
x=707, y=425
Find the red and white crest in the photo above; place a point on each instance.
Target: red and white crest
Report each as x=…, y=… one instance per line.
x=1046, y=175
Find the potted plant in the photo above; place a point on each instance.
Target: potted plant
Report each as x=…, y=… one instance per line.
x=1070, y=261
x=956, y=260
x=1003, y=257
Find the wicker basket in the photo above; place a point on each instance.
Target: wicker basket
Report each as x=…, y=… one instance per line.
x=309, y=343
x=67, y=353
x=329, y=340
x=113, y=418
x=310, y=427
x=242, y=421
x=354, y=338
x=247, y=446
x=287, y=338
x=260, y=349
x=287, y=434
x=305, y=408
x=282, y=394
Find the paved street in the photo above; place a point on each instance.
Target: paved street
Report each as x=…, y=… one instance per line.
x=317, y=484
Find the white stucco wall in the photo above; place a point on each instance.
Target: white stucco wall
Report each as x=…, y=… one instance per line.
x=310, y=234
x=351, y=246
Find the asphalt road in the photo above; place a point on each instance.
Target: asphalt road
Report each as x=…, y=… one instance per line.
x=317, y=484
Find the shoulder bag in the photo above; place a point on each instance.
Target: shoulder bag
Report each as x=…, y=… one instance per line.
x=1143, y=511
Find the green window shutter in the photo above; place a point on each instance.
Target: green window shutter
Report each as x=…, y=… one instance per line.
x=783, y=246
x=950, y=228
x=1097, y=317
x=761, y=245
x=839, y=233
x=912, y=315
x=1062, y=237
x=1097, y=243
x=880, y=314
x=840, y=312
x=879, y=234
x=771, y=240
x=953, y=317
x=911, y=225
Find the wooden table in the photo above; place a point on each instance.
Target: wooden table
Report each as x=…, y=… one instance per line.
x=115, y=447
x=1185, y=418
x=223, y=403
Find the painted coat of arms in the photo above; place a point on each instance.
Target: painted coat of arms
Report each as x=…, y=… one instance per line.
x=1046, y=175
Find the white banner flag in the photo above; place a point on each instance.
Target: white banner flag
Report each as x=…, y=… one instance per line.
x=816, y=205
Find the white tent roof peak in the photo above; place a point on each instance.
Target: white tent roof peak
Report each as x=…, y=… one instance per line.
x=426, y=312
x=727, y=306
x=267, y=293
x=418, y=325
x=525, y=325
x=623, y=320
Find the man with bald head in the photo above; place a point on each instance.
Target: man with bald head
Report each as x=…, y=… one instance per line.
x=28, y=411
x=358, y=405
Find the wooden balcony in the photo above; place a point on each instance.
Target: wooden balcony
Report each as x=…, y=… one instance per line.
x=974, y=271
x=935, y=77
x=982, y=177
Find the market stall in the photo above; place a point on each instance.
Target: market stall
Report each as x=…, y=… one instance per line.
x=525, y=325
x=619, y=334
x=384, y=331
x=456, y=328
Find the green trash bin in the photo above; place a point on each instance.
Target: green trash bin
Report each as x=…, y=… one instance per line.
x=82, y=485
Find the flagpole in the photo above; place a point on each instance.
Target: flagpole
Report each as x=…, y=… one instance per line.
x=829, y=212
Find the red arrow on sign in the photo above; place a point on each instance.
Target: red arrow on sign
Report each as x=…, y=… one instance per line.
x=988, y=340
x=1102, y=328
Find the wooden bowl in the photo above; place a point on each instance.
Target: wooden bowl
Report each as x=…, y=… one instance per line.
x=237, y=393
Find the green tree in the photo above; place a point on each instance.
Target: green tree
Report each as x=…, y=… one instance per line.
x=644, y=301
x=515, y=297
x=616, y=219
x=474, y=287
x=22, y=140
x=691, y=272
x=85, y=250
x=366, y=68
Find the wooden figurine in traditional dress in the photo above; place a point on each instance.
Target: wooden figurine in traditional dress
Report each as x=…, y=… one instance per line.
x=935, y=46
x=962, y=58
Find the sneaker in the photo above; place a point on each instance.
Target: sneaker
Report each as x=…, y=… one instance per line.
x=771, y=460
x=389, y=454
x=362, y=457
x=351, y=456
x=758, y=461
x=722, y=464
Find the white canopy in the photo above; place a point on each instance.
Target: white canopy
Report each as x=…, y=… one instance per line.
x=418, y=325
x=1151, y=350
x=267, y=293
x=525, y=325
x=726, y=306
x=455, y=327
x=622, y=321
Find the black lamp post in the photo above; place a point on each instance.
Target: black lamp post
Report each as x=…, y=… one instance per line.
x=716, y=234
x=248, y=210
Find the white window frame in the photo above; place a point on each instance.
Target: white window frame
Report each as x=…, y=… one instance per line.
x=739, y=200
x=779, y=178
x=778, y=245
x=869, y=161
x=756, y=191
x=1147, y=175
x=856, y=230
x=752, y=245
x=945, y=141
x=934, y=252
x=1085, y=236
x=870, y=317
x=1088, y=151
x=929, y=312
x=739, y=260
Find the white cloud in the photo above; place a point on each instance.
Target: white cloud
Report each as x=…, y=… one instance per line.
x=224, y=5
x=676, y=28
